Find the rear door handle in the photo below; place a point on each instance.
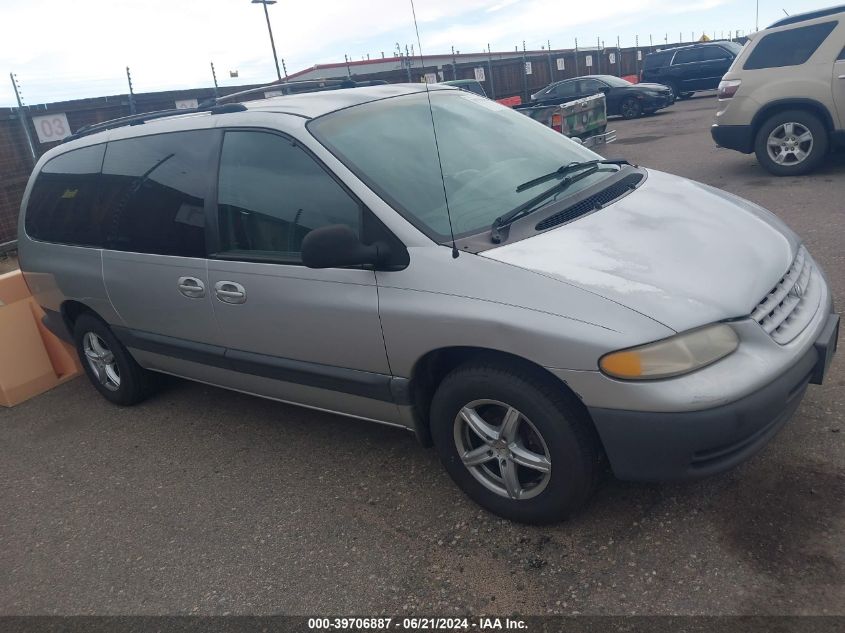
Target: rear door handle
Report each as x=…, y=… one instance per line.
x=230, y=292
x=191, y=287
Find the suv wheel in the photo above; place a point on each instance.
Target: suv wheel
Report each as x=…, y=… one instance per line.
x=631, y=109
x=791, y=143
x=513, y=443
x=108, y=364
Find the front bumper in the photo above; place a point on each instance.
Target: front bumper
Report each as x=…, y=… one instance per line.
x=736, y=137
x=658, y=102
x=647, y=446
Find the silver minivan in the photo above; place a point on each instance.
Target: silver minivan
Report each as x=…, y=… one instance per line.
x=435, y=261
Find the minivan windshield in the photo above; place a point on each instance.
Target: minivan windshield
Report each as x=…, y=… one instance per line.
x=486, y=150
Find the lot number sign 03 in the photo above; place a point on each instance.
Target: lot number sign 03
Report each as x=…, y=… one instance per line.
x=51, y=127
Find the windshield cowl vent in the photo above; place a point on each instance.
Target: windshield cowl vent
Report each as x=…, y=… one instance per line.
x=588, y=205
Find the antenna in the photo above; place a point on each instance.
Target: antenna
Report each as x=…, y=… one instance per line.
x=455, y=252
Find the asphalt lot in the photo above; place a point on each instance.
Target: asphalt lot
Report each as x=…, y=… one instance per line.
x=207, y=501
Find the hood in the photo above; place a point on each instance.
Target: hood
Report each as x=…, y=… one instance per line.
x=651, y=86
x=680, y=252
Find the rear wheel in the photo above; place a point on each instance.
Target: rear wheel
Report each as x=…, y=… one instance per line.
x=630, y=108
x=108, y=364
x=791, y=143
x=514, y=443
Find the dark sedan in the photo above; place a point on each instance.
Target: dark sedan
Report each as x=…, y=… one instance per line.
x=624, y=98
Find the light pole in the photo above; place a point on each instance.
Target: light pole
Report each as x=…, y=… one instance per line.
x=270, y=30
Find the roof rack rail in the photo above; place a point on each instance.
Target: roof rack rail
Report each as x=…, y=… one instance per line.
x=810, y=15
x=228, y=103
x=140, y=119
x=297, y=87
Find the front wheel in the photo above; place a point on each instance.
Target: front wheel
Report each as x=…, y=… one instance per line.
x=514, y=442
x=791, y=143
x=631, y=109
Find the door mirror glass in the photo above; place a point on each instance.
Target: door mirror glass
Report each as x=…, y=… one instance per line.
x=337, y=246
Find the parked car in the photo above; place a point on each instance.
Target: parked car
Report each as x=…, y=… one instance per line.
x=623, y=97
x=688, y=69
x=559, y=313
x=784, y=97
x=470, y=85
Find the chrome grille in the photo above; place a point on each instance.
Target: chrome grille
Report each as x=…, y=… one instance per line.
x=789, y=307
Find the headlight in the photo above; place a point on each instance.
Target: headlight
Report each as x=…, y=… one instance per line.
x=673, y=356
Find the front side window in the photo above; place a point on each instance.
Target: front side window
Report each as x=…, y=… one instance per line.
x=486, y=152
x=788, y=48
x=63, y=207
x=271, y=194
x=155, y=187
x=591, y=86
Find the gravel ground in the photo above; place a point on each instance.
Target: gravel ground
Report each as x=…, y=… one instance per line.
x=207, y=501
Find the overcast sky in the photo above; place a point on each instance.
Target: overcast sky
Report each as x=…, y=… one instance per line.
x=63, y=49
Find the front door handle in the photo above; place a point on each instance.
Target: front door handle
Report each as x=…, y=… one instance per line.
x=230, y=292
x=191, y=287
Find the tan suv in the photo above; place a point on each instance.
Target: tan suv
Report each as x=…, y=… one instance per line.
x=784, y=96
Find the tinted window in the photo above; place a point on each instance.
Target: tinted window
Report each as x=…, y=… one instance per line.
x=709, y=53
x=566, y=89
x=62, y=206
x=271, y=194
x=591, y=86
x=788, y=48
x=155, y=187
x=686, y=56
x=656, y=60
x=841, y=55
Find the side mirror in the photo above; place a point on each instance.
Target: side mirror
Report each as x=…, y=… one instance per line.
x=336, y=246
x=605, y=89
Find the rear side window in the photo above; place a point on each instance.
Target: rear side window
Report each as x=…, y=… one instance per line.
x=567, y=89
x=155, y=189
x=788, y=48
x=271, y=194
x=656, y=60
x=63, y=204
x=711, y=53
x=686, y=56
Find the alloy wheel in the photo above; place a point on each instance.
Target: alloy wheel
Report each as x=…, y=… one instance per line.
x=101, y=360
x=789, y=143
x=502, y=449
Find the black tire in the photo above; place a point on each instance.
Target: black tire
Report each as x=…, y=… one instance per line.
x=630, y=108
x=136, y=383
x=816, y=150
x=553, y=413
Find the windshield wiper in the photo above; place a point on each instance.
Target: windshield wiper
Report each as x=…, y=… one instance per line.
x=533, y=204
x=563, y=170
